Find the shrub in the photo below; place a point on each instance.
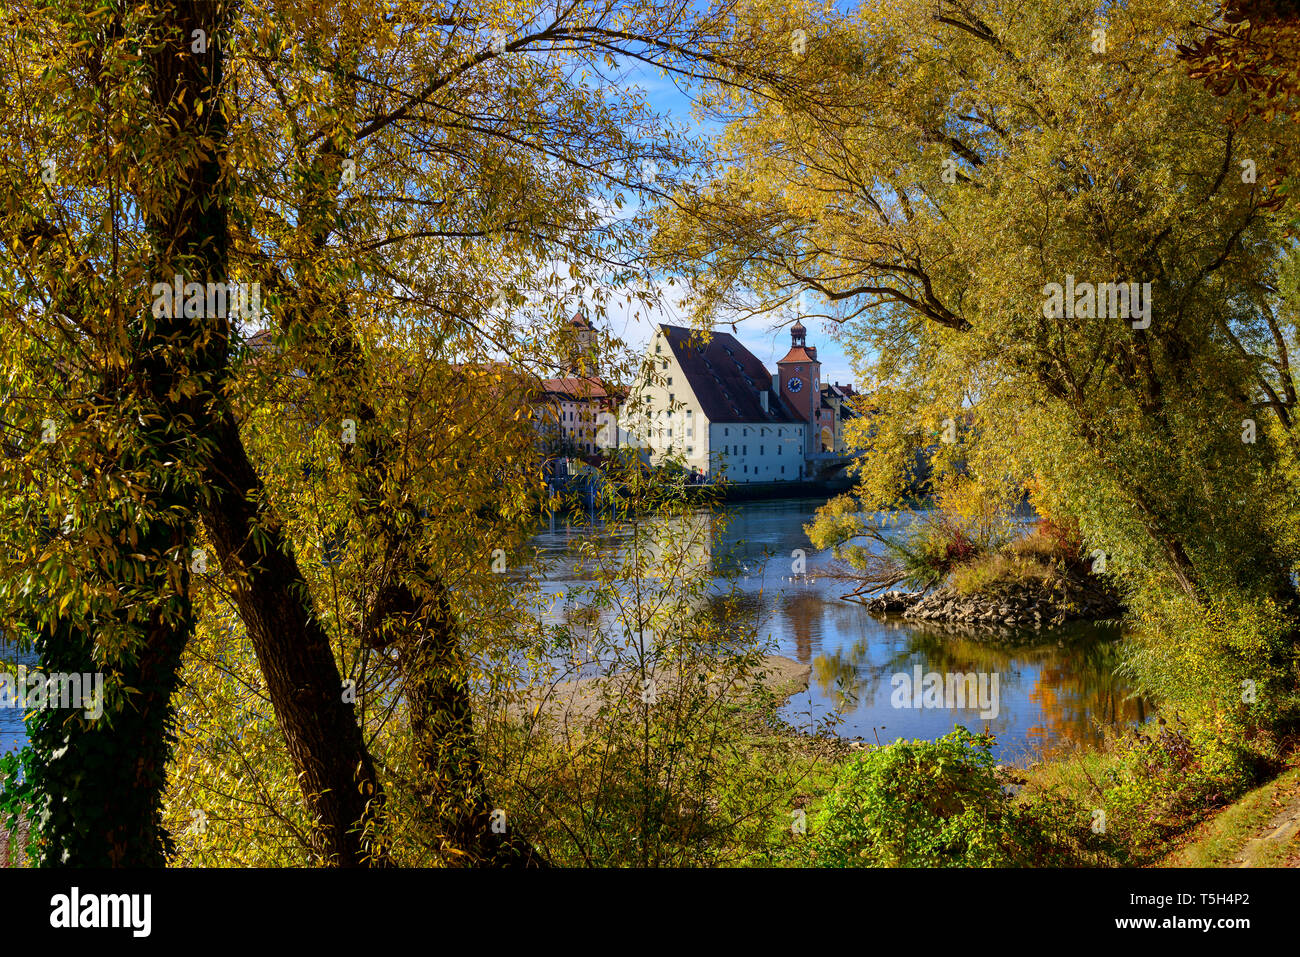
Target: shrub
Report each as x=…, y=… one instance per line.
x=934, y=804
x=935, y=546
x=1050, y=551
x=1057, y=540
x=1167, y=776
x=1154, y=782
x=997, y=573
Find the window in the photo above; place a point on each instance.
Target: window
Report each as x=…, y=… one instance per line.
x=688, y=412
x=670, y=380
x=762, y=450
x=690, y=433
x=747, y=432
x=670, y=433
x=690, y=450
x=658, y=349
x=747, y=450
x=782, y=469
x=671, y=398
x=726, y=431
x=778, y=450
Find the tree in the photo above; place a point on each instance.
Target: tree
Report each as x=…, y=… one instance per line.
x=396, y=184
x=1252, y=48
x=109, y=400
x=978, y=166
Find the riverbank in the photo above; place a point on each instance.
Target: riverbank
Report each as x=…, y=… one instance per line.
x=1262, y=829
x=1018, y=607
x=575, y=494
x=578, y=701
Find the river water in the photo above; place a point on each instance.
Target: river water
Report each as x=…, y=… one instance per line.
x=13, y=734
x=1051, y=693
x=1054, y=691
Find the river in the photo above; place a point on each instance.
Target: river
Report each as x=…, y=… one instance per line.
x=1054, y=692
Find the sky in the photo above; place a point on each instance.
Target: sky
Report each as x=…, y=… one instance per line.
x=764, y=336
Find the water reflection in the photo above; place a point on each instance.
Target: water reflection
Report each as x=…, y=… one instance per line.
x=1055, y=689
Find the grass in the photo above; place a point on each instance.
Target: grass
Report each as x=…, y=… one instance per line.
x=1039, y=559
x=1080, y=775
x=1230, y=835
x=1000, y=572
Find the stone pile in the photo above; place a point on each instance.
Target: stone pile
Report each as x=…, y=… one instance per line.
x=1020, y=606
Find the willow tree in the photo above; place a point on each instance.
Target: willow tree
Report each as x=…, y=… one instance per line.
x=1252, y=48
x=967, y=205
x=404, y=189
x=110, y=405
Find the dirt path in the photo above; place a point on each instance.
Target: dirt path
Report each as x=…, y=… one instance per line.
x=1278, y=844
x=1261, y=829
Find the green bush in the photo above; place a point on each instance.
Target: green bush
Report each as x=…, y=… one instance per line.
x=936, y=804
x=933, y=546
x=1167, y=776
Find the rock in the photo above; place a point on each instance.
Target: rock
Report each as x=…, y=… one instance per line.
x=1017, y=608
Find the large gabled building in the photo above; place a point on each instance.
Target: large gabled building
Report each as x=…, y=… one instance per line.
x=576, y=413
x=714, y=404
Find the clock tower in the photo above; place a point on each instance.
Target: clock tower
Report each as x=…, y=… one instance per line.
x=801, y=385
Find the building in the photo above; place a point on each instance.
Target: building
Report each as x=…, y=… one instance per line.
x=576, y=414
x=717, y=408
x=841, y=402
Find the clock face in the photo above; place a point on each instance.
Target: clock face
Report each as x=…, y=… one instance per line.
x=793, y=384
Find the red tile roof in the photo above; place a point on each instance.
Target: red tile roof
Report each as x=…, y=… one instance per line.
x=799, y=354
x=576, y=388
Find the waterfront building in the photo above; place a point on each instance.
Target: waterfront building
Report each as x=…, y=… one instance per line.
x=711, y=403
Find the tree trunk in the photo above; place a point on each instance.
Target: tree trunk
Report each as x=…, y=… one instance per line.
x=293, y=651
x=449, y=780
x=424, y=628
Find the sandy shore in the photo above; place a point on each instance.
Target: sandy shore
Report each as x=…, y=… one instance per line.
x=580, y=699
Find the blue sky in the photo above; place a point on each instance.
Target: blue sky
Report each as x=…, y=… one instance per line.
x=762, y=336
